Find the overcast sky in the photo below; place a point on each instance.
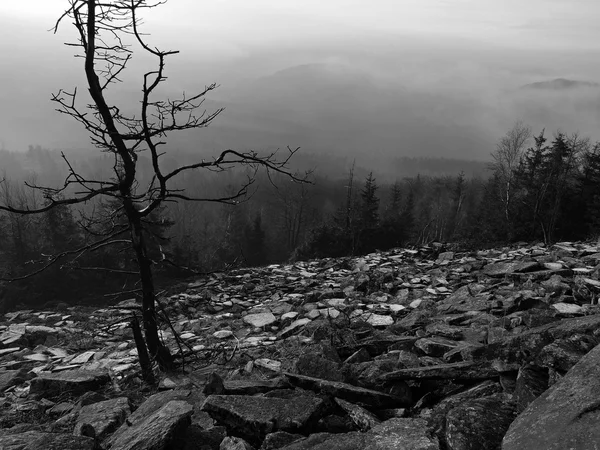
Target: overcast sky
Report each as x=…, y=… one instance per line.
x=240, y=23
x=481, y=43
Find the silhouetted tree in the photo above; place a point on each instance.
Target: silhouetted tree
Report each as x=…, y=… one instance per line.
x=101, y=27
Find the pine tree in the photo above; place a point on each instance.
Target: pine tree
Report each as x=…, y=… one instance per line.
x=393, y=232
x=369, y=208
x=407, y=217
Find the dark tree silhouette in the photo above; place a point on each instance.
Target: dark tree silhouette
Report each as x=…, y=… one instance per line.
x=103, y=27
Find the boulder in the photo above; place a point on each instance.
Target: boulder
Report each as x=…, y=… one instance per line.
x=155, y=431
x=565, y=416
x=479, y=424
x=100, y=419
x=155, y=402
x=254, y=417
x=316, y=365
x=531, y=382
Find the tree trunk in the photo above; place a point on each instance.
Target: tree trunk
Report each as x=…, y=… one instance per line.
x=157, y=351
x=143, y=356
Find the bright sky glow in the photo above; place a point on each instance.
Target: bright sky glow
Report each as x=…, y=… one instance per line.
x=531, y=23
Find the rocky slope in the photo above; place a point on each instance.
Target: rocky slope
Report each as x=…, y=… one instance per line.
x=408, y=349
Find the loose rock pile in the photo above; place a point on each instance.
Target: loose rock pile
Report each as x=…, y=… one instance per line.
x=408, y=349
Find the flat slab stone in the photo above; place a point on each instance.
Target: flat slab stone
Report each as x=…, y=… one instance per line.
x=10, y=378
x=260, y=320
x=349, y=392
x=455, y=371
x=379, y=320
x=255, y=417
x=393, y=434
x=155, y=431
x=251, y=387
x=565, y=416
x=155, y=402
x=72, y=381
x=293, y=327
x=35, y=440
x=8, y=351
x=568, y=308
x=83, y=358
x=501, y=269
x=435, y=346
x=14, y=335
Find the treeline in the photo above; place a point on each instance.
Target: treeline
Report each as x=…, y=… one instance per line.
x=536, y=189
x=539, y=189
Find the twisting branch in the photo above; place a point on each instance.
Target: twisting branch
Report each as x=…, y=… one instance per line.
x=53, y=259
x=107, y=31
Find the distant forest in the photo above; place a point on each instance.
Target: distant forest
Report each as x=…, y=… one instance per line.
x=535, y=188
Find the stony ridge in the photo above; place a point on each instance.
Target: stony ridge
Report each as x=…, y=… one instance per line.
x=407, y=349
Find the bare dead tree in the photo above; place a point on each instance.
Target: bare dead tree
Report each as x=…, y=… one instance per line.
x=506, y=159
x=103, y=27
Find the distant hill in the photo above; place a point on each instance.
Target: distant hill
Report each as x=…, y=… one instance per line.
x=346, y=111
x=561, y=84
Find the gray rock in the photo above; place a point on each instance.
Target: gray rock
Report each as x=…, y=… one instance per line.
x=348, y=392
x=555, y=284
x=454, y=371
x=75, y=382
x=568, y=309
x=294, y=327
x=479, y=424
x=436, y=416
x=155, y=402
x=197, y=438
x=155, y=431
x=445, y=256
x=565, y=416
x=501, y=269
x=255, y=417
x=314, y=364
x=252, y=387
x=35, y=440
x=379, y=320
x=102, y=418
x=234, y=443
x=531, y=382
x=563, y=354
x=393, y=434
x=279, y=439
x=260, y=320
x=435, y=346
x=529, y=344
x=9, y=378
x=214, y=385
x=362, y=418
